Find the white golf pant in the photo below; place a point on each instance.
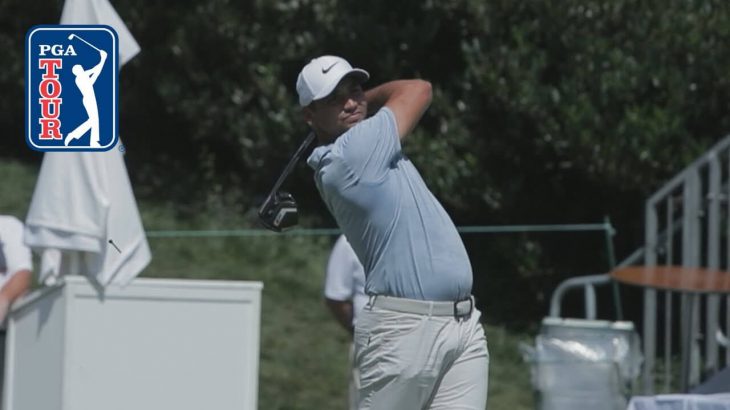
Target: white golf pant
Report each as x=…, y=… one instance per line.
x=354, y=379
x=419, y=361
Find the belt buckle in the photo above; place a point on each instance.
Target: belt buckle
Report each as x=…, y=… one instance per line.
x=465, y=315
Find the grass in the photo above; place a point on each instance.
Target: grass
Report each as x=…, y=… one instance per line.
x=303, y=362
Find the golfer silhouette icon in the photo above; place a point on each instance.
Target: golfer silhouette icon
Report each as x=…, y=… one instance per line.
x=85, y=80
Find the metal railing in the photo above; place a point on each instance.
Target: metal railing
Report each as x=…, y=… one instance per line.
x=687, y=224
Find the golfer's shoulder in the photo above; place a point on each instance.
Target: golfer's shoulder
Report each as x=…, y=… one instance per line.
x=326, y=161
x=382, y=121
x=362, y=136
x=318, y=155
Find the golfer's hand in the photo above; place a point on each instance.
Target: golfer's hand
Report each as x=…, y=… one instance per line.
x=103, y=54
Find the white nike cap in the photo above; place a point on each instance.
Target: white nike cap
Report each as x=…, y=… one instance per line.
x=320, y=77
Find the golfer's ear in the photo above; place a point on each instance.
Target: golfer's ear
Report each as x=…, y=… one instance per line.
x=307, y=115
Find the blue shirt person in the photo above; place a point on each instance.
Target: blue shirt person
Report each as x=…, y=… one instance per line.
x=418, y=341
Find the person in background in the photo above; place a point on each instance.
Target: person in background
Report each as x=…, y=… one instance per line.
x=16, y=266
x=344, y=294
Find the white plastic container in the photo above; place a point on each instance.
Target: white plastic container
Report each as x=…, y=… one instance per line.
x=582, y=364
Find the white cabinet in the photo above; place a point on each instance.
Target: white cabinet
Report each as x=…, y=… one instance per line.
x=155, y=344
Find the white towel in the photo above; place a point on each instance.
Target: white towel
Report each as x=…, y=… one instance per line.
x=82, y=200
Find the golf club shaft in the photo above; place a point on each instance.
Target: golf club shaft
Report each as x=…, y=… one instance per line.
x=292, y=162
x=89, y=44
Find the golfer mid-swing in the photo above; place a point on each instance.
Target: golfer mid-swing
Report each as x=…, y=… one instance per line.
x=85, y=80
x=418, y=341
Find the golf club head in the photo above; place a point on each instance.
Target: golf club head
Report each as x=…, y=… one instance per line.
x=279, y=212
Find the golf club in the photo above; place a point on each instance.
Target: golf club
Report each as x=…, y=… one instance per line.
x=72, y=36
x=279, y=210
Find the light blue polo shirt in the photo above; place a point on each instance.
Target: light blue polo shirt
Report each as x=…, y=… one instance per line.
x=407, y=243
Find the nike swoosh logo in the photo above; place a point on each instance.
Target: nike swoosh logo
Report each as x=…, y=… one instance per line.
x=326, y=70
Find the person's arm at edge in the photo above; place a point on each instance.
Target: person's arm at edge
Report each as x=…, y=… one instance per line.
x=342, y=311
x=14, y=288
x=408, y=99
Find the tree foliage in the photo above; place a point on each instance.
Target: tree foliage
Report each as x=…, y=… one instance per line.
x=544, y=111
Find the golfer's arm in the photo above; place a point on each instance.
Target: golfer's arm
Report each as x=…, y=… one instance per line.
x=95, y=72
x=342, y=311
x=97, y=69
x=408, y=99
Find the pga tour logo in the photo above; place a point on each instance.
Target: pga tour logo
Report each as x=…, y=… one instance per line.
x=71, y=88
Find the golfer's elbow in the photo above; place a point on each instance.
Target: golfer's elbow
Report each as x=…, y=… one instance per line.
x=427, y=89
x=421, y=96
x=423, y=91
x=409, y=103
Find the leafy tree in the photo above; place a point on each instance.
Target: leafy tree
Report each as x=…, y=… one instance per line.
x=544, y=111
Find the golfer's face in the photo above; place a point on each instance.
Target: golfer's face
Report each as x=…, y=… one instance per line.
x=341, y=110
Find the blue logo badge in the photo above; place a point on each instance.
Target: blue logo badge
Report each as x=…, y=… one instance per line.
x=71, y=89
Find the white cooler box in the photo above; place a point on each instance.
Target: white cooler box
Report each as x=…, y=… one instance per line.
x=156, y=344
